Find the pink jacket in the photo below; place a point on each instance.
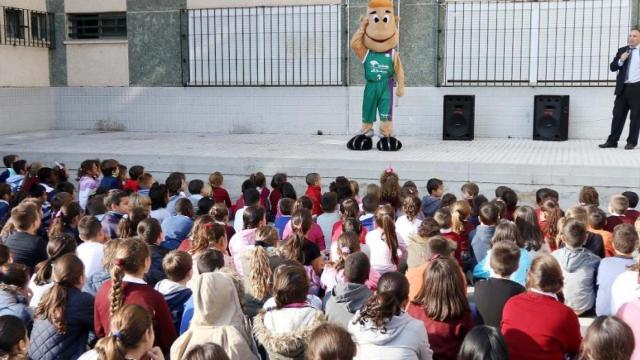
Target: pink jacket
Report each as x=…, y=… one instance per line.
x=238, y=246
x=315, y=234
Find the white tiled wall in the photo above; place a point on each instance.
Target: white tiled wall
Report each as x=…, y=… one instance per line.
x=25, y=109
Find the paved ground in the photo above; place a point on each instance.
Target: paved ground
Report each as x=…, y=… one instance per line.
x=525, y=164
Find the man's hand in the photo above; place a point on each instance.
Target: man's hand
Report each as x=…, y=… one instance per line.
x=364, y=20
x=624, y=56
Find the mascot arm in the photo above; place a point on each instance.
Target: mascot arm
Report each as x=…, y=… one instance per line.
x=357, y=41
x=399, y=71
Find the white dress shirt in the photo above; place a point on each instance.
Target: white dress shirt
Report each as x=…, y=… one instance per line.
x=633, y=70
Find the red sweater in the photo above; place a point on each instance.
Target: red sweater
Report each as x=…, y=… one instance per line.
x=460, y=243
x=632, y=214
x=538, y=327
x=615, y=220
x=315, y=194
x=445, y=338
x=131, y=185
x=140, y=294
x=221, y=195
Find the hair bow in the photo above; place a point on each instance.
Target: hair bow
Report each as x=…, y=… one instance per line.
x=389, y=170
x=208, y=225
x=118, y=262
x=345, y=250
x=116, y=334
x=59, y=214
x=435, y=257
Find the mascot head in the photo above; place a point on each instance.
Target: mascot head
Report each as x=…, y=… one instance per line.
x=381, y=33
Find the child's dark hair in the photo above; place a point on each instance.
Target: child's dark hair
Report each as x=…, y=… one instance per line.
x=448, y=200
x=45, y=174
x=89, y=227
x=158, y=194
x=251, y=196
x=56, y=247
x=443, y=217
x=348, y=243
x=174, y=184
x=385, y=220
x=545, y=274
x=352, y=225
x=608, y=337
x=301, y=222
x=392, y=292
x=210, y=260
x=95, y=205
x=349, y=208
x=206, y=232
x=108, y=167
x=149, y=230
x=19, y=166
x=25, y=215
x=206, y=351
x=286, y=206
x=277, y=180
x=68, y=271
x=597, y=217
x=8, y=160
x=483, y=343
x=12, y=331
x=122, y=172
x=331, y=342
x=37, y=191
x=329, y=202
x=433, y=185
x=5, y=190
x=65, y=187
x=632, y=197
x=259, y=180
x=505, y=258
x=303, y=202
x=290, y=285
x=470, y=189
x=510, y=198
x=507, y=231
x=370, y=203
x=574, y=232
x=131, y=322
x=252, y=216
x=195, y=186
x=86, y=167
x=625, y=238
x=552, y=212
x=589, y=196
x=287, y=190
x=64, y=218
x=135, y=172
x=390, y=189
x=489, y=214
x=438, y=246
x=428, y=228
x=184, y=207
x=131, y=255
x=342, y=187
x=5, y=254
x=205, y=205
x=544, y=194
x=14, y=274
x=312, y=178
x=527, y=222
x=357, y=268
x=128, y=225
x=114, y=197
x=177, y=264
x=442, y=294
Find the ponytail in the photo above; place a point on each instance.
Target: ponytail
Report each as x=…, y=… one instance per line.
x=260, y=277
x=301, y=222
x=128, y=225
x=67, y=273
x=205, y=233
x=130, y=257
x=58, y=245
x=378, y=310
x=460, y=211
x=411, y=207
x=384, y=220
x=64, y=218
x=128, y=327
x=348, y=243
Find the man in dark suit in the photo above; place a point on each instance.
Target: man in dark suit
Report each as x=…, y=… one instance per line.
x=627, y=64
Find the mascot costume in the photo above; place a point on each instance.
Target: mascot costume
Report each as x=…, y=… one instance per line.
x=374, y=44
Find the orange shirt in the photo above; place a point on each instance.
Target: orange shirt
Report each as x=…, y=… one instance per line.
x=607, y=239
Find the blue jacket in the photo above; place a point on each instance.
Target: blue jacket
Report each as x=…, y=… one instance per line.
x=483, y=271
x=430, y=205
x=4, y=212
x=176, y=301
x=187, y=314
x=110, y=224
x=13, y=303
x=4, y=176
x=156, y=273
x=367, y=221
x=109, y=183
x=281, y=223
x=95, y=282
x=175, y=229
x=481, y=240
x=48, y=344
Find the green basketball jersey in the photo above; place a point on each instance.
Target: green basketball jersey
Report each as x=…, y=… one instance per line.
x=378, y=66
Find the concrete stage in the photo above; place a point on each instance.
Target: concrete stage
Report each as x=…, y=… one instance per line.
x=523, y=164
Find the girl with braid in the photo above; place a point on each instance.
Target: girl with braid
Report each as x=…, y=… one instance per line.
x=64, y=317
x=131, y=262
x=41, y=281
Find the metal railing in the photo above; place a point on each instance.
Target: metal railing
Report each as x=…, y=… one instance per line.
x=265, y=46
x=24, y=27
x=531, y=43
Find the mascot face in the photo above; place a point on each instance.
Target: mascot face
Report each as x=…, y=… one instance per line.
x=381, y=33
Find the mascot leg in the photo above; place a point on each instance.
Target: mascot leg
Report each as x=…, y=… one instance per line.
x=362, y=141
x=387, y=142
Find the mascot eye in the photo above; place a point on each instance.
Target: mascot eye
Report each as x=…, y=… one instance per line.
x=386, y=18
x=376, y=18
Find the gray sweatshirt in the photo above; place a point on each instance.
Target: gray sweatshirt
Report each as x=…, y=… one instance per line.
x=344, y=300
x=579, y=268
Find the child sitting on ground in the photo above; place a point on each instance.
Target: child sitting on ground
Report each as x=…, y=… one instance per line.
x=329, y=216
x=431, y=202
x=117, y=203
x=597, y=220
x=177, y=227
x=370, y=204
x=220, y=194
x=313, y=192
x=286, y=206
x=91, y=250
x=350, y=295
x=178, y=266
x=618, y=206
x=132, y=183
x=631, y=212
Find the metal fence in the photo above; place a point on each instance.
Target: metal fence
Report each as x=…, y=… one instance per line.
x=531, y=43
x=23, y=27
x=265, y=46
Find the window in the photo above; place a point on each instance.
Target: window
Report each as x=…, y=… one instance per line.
x=98, y=26
x=39, y=27
x=15, y=23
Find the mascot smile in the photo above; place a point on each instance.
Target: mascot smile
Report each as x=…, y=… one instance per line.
x=374, y=44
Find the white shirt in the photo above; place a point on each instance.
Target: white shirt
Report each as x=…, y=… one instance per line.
x=608, y=270
x=160, y=214
x=238, y=221
x=91, y=254
x=38, y=291
x=380, y=258
x=633, y=69
x=624, y=289
x=326, y=222
x=407, y=228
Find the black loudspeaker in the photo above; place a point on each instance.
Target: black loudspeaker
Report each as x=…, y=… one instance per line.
x=458, y=119
x=551, y=117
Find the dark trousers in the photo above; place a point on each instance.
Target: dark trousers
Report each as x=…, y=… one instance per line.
x=629, y=100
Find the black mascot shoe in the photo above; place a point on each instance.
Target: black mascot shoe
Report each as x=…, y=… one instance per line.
x=360, y=142
x=389, y=144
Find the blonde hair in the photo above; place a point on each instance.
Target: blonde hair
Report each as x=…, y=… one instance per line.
x=130, y=257
x=618, y=204
x=216, y=179
x=128, y=326
x=142, y=201
x=460, y=211
x=261, y=272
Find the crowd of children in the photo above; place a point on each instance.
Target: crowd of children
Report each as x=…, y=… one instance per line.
x=117, y=265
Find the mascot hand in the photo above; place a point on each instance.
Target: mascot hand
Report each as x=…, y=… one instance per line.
x=364, y=20
x=400, y=91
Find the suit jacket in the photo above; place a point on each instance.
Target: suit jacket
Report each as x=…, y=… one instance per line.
x=622, y=70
